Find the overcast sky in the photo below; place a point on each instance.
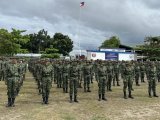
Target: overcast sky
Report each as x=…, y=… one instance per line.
x=130, y=20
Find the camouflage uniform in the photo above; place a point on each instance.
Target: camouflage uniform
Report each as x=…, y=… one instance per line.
x=73, y=84
x=110, y=76
x=13, y=74
x=65, y=71
x=116, y=74
x=152, y=80
x=87, y=76
x=137, y=74
x=102, y=80
x=47, y=77
x=128, y=79
x=142, y=71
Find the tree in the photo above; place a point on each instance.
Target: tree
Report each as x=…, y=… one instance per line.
x=51, y=53
x=10, y=42
x=112, y=42
x=63, y=43
x=151, y=47
x=38, y=41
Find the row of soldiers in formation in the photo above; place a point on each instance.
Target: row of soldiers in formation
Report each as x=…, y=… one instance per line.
x=69, y=75
x=13, y=73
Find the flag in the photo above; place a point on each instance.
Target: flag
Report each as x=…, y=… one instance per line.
x=81, y=4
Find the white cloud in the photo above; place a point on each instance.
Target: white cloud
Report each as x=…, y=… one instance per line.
x=131, y=20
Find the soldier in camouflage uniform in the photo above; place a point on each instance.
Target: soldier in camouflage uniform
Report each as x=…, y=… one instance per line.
x=1, y=69
x=65, y=71
x=59, y=77
x=137, y=73
x=13, y=74
x=73, y=81
x=158, y=70
x=109, y=76
x=47, y=77
x=116, y=74
x=142, y=72
x=80, y=73
x=102, y=80
x=128, y=79
x=87, y=76
x=152, y=80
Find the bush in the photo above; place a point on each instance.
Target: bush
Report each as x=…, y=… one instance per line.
x=55, y=55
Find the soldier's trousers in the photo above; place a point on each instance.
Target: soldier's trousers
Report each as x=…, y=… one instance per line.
x=137, y=78
x=59, y=81
x=142, y=76
x=87, y=79
x=79, y=80
x=55, y=77
x=109, y=82
x=116, y=78
x=158, y=76
x=101, y=85
x=65, y=82
x=73, y=86
x=2, y=75
x=12, y=84
x=46, y=86
x=127, y=82
x=152, y=86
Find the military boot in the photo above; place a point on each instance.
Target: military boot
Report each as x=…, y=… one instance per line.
x=9, y=103
x=17, y=91
x=75, y=98
x=103, y=97
x=118, y=83
x=85, y=89
x=12, y=102
x=63, y=90
x=149, y=92
x=130, y=95
x=125, y=96
x=66, y=90
x=113, y=83
x=155, y=95
x=137, y=84
x=99, y=97
x=40, y=91
x=46, y=101
x=71, y=99
x=88, y=90
x=80, y=86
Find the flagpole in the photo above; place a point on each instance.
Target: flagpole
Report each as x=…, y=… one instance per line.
x=78, y=31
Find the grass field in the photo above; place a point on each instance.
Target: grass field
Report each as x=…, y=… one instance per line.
x=28, y=104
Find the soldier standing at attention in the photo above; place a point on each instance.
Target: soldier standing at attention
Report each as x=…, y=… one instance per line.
x=152, y=80
x=73, y=84
x=102, y=80
x=47, y=77
x=12, y=78
x=87, y=76
x=142, y=71
x=110, y=76
x=128, y=79
x=65, y=71
x=1, y=69
x=137, y=73
x=116, y=73
x=158, y=70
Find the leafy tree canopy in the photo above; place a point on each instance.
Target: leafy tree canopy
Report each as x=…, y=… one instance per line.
x=112, y=42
